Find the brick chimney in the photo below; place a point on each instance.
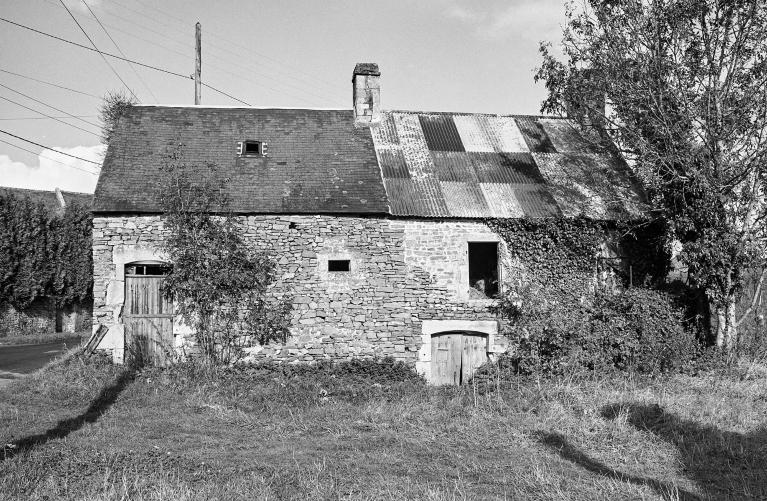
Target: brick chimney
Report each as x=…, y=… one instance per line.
x=366, y=85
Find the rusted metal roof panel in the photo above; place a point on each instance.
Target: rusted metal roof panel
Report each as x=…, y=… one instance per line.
x=506, y=168
x=454, y=166
x=567, y=137
x=504, y=134
x=535, y=136
x=501, y=200
x=393, y=163
x=592, y=185
x=465, y=199
x=416, y=197
x=536, y=201
x=473, y=132
x=440, y=133
x=413, y=145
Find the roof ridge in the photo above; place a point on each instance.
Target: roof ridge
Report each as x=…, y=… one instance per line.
x=513, y=115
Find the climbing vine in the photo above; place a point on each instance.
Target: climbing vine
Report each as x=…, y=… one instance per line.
x=565, y=254
x=43, y=254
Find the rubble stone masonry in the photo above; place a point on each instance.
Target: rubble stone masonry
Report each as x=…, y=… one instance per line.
x=408, y=279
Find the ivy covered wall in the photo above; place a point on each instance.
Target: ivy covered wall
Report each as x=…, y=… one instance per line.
x=563, y=256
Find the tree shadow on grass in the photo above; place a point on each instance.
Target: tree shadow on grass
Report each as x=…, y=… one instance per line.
x=568, y=451
x=726, y=465
x=98, y=406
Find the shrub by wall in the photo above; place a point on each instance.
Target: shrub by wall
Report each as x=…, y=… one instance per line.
x=43, y=255
x=638, y=330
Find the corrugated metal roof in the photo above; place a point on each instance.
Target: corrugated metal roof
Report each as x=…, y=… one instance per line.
x=593, y=185
x=426, y=164
x=472, y=166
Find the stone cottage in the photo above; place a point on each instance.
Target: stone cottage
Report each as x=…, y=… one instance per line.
x=374, y=217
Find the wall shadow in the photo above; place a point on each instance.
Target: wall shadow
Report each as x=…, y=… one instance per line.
x=97, y=407
x=725, y=465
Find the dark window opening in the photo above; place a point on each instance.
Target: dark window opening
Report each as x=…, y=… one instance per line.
x=338, y=265
x=483, y=268
x=292, y=226
x=147, y=269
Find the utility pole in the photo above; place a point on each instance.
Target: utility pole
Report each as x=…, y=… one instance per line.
x=198, y=63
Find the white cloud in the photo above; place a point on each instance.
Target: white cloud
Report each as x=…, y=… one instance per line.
x=54, y=170
x=530, y=19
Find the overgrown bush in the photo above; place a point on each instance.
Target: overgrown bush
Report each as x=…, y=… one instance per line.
x=638, y=330
x=218, y=283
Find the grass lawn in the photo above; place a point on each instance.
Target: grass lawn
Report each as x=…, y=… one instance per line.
x=88, y=430
x=42, y=338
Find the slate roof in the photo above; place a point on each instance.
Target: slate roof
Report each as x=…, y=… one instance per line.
x=316, y=162
x=422, y=164
x=48, y=198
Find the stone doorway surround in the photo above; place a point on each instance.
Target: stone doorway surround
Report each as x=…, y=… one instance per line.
x=431, y=327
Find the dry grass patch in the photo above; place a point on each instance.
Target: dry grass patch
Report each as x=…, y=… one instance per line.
x=88, y=430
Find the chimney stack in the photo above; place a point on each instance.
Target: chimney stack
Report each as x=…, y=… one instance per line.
x=366, y=85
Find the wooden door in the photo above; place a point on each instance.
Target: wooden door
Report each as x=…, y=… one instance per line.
x=455, y=356
x=446, y=358
x=148, y=320
x=473, y=355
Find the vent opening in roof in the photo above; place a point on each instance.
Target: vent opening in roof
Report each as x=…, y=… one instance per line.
x=251, y=148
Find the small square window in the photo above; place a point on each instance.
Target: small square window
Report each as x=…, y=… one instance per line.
x=338, y=265
x=483, y=269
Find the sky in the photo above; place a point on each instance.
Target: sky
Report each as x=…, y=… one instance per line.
x=434, y=55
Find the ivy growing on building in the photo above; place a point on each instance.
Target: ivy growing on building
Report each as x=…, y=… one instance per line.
x=43, y=254
x=566, y=254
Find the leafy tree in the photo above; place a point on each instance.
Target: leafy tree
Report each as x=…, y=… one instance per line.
x=683, y=83
x=218, y=283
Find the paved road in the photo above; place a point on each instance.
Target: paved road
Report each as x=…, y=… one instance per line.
x=23, y=359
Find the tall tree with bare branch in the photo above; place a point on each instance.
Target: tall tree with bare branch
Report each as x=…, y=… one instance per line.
x=680, y=86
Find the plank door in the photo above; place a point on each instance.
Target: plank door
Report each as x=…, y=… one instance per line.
x=455, y=356
x=474, y=354
x=148, y=320
x=446, y=358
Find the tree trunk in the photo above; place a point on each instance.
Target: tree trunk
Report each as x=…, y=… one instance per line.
x=726, y=325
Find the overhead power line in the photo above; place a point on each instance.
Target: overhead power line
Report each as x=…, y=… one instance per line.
x=48, y=105
x=97, y=50
x=49, y=83
x=187, y=77
x=120, y=50
x=44, y=118
x=47, y=157
x=48, y=147
x=49, y=116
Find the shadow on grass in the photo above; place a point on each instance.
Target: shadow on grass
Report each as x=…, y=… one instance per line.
x=98, y=406
x=575, y=455
x=726, y=465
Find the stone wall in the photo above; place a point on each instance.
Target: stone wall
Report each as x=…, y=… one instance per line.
x=42, y=317
x=408, y=279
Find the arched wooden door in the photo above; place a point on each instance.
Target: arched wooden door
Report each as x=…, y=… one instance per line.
x=147, y=315
x=456, y=355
